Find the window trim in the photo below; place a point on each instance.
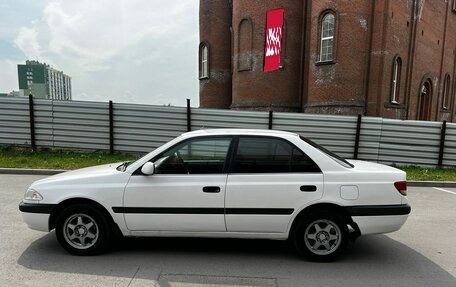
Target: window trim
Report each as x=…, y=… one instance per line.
x=321, y=38
x=235, y=150
x=204, y=46
x=396, y=80
x=454, y=6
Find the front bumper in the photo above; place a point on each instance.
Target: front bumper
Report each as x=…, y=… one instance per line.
x=36, y=215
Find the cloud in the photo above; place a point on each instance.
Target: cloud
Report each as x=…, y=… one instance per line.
x=27, y=42
x=8, y=76
x=125, y=50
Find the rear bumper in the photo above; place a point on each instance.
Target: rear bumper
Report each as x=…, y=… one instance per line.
x=36, y=215
x=379, y=224
x=379, y=219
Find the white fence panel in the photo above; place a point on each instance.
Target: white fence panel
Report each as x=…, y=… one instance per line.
x=14, y=121
x=336, y=133
x=82, y=125
x=142, y=128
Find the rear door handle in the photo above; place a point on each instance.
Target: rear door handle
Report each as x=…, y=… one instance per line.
x=308, y=188
x=211, y=189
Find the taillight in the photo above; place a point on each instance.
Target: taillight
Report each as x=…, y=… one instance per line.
x=401, y=186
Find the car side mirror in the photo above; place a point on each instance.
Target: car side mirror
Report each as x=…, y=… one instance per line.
x=148, y=168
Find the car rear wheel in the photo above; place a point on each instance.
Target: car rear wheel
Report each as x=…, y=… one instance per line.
x=321, y=236
x=82, y=230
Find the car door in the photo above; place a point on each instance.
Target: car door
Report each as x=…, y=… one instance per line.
x=186, y=192
x=269, y=179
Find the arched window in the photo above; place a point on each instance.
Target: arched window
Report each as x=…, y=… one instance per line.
x=204, y=61
x=446, y=93
x=425, y=97
x=396, y=80
x=245, y=45
x=327, y=37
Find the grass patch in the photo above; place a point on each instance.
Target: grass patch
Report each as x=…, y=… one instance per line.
x=16, y=157
x=429, y=174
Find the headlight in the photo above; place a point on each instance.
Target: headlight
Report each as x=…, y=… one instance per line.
x=33, y=195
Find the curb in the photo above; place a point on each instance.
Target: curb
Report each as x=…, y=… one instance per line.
x=431, y=183
x=25, y=171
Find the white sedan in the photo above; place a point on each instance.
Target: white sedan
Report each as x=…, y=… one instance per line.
x=223, y=183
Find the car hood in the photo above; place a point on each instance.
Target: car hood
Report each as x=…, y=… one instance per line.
x=83, y=173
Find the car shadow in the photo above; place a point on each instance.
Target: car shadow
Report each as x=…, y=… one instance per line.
x=371, y=259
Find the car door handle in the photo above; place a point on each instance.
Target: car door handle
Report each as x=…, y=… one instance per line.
x=308, y=188
x=211, y=189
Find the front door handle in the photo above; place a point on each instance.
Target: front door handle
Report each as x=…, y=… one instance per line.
x=211, y=189
x=308, y=188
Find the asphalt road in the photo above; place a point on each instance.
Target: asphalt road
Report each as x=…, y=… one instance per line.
x=422, y=253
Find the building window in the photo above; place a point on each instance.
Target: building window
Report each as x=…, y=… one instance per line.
x=245, y=45
x=204, y=61
x=454, y=5
x=425, y=97
x=396, y=80
x=327, y=37
x=446, y=93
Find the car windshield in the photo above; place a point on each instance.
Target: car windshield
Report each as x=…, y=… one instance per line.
x=343, y=162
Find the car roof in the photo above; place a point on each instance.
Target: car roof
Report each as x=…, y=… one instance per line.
x=258, y=132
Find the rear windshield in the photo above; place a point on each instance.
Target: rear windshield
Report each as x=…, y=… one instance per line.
x=332, y=155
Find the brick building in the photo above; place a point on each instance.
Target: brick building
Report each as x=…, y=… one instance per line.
x=389, y=58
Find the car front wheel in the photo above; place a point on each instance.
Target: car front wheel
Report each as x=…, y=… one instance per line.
x=82, y=230
x=321, y=236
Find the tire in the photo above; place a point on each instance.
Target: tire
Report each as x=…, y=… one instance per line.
x=321, y=236
x=83, y=230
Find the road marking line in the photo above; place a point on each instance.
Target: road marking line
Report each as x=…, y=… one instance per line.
x=444, y=190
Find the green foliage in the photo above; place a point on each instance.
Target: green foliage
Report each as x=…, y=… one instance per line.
x=16, y=157
x=429, y=174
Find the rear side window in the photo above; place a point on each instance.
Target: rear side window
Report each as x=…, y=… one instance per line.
x=270, y=155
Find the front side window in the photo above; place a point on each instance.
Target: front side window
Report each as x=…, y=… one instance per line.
x=327, y=38
x=198, y=156
x=270, y=155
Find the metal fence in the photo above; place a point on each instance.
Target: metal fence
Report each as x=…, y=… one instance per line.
x=137, y=128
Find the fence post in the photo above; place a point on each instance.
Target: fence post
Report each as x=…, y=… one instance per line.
x=111, y=128
x=358, y=134
x=189, y=120
x=442, y=142
x=32, y=123
x=270, y=120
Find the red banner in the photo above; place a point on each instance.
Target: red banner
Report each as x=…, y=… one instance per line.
x=273, y=45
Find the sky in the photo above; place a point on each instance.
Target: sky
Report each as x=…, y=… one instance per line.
x=130, y=51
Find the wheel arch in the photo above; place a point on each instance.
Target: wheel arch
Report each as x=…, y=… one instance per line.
x=322, y=207
x=80, y=200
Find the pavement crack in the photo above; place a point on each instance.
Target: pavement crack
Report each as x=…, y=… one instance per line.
x=158, y=278
x=134, y=275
